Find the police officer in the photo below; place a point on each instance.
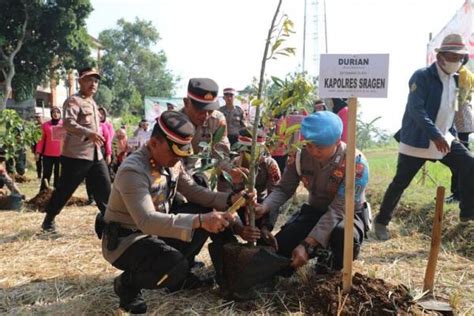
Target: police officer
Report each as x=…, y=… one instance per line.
x=320, y=166
x=81, y=156
x=199, y=106
x=234, y=116
x=153, y=246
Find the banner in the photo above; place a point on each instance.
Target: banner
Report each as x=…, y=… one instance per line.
x=154, y=106
x=461, y=24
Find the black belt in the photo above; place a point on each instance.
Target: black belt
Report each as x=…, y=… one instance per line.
x=124, y=232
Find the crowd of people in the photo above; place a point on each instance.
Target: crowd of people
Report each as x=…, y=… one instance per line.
x=160, y=210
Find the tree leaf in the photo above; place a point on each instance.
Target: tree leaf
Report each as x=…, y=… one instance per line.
x=218, y=135
x=227, y=176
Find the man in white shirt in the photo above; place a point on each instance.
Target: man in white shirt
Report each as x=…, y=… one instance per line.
x=427, y=132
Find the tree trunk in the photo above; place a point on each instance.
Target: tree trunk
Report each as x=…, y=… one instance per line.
x=253, y=158
x=8, y=87
x=11, y=65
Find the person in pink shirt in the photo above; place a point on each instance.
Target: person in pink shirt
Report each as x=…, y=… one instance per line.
x=279, y=150
x=340, y=108
x=50, y=146
x=108, y=132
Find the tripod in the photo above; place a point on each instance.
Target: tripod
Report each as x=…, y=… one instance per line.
x=425, y=174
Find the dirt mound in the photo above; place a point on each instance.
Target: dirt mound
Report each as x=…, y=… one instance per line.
x=20, y=179
x=322, y=295
x=39, y=201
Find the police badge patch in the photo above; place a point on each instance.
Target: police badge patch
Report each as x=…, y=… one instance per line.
x=413, y=87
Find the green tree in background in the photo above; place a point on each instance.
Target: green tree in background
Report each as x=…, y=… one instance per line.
x=104, y=97
x=39, y=38
x=131, y=69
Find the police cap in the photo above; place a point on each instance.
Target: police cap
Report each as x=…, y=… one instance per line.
x=178, y=131
x=89, y=71
x=322, y=128
x=203, y=93
x=245, y=137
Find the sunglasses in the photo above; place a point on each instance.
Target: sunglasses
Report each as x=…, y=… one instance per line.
x=228, y=95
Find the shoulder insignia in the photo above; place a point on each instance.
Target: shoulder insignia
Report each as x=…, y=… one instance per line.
x=413, y=87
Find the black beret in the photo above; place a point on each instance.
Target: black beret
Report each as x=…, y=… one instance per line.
x=203, y=93
x=178, y=130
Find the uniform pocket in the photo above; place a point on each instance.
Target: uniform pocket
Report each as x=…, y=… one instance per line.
x=86, y=117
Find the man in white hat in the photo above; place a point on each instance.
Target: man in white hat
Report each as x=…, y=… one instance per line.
x=427, y=132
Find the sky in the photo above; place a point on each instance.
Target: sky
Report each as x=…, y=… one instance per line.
x=224, y=39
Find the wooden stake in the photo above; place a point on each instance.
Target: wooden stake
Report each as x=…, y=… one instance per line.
x=350, y=179
x=428, y=283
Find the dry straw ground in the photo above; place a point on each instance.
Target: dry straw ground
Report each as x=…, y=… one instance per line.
x=65, y=274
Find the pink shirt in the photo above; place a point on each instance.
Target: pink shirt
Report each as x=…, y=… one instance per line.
x=110, y=129
x=343, y=115
x=107, y=137
x=51, y=140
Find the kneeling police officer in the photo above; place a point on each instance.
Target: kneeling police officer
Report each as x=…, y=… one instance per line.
x=151, y=243
x=320, y=166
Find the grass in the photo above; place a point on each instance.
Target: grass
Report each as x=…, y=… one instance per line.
x=66, y=274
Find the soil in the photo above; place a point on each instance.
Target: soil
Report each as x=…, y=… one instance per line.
x=39, y=201
x=21, y=179
x=321, y=295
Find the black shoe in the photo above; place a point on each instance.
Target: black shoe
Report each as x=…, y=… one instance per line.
x=48, y=224
x=324, y=261
x=192, y=281
x=453, y=198
x=131, y=300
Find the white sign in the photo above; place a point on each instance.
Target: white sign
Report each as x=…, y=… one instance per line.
x=345, y=76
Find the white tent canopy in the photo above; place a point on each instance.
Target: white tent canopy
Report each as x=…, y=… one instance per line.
x=461, y=24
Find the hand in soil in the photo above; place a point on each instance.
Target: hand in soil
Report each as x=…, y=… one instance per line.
x=299, y=257
x=215, y=222
x=250, y=234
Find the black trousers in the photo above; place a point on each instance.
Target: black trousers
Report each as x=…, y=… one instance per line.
x=50, y=164
x=459, y=160
x=39, y=166
x=464, y=138
x=300, y=225
x=146, y=261
x=73, y=172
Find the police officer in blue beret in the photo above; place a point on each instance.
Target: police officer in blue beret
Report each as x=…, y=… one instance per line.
x=320, y=166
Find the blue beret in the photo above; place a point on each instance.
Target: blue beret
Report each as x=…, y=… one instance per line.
x=322, y=128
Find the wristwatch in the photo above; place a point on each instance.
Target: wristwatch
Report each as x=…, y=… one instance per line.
x=310, y=250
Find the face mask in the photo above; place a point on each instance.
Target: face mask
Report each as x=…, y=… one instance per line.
x=451, y=67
